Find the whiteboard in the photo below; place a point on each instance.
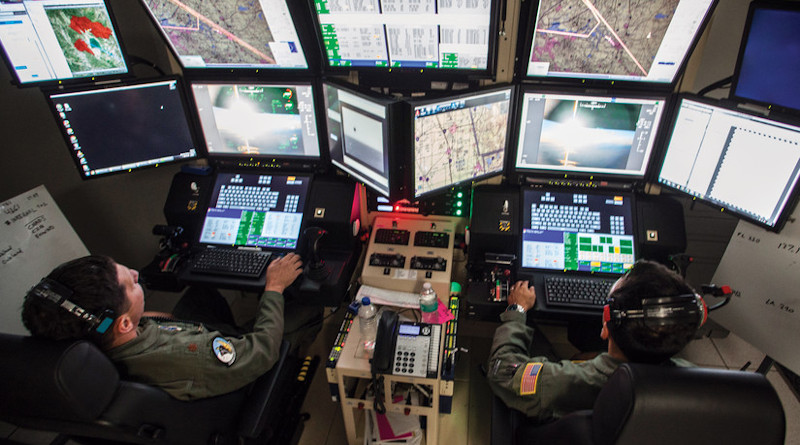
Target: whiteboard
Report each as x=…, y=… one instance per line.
x=35, y=237
x=763, y=269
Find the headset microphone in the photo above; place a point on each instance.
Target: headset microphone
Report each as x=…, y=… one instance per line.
x=59, y=294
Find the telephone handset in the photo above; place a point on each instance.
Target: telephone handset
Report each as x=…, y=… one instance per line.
x=384, y=342
x=406, y=348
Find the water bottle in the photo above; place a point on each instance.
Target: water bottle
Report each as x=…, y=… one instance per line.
x=428, y=303
x=367, y=324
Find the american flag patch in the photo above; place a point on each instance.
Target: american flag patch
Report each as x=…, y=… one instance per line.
x=530, y=375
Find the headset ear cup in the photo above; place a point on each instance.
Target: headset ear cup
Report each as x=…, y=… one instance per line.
x=606, y=313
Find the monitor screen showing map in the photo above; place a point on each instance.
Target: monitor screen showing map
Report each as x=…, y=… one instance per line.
x=443, y=34
x=228, y=34
x=126, y=127
x=257, y=120
x=737, y=161
x=587, y=135
x=640, y=41
x=358, y=135
x=459, y=139
x=59, y=40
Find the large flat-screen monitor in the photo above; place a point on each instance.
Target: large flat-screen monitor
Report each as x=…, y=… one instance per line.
x=47, y=41
x=447, y=35
x=362, y=136
x=577, y=231
x=262, y=210
x=734, y=160
x=230, y=34
x=639, y=42
x=769, y=56
x=249, y=120
x=459, y=139
x=590, y=135
x=125, y=127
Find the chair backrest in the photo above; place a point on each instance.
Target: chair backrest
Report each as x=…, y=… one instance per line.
x=669, y=405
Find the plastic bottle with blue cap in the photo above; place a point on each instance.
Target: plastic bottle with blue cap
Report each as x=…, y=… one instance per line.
x=367, y=324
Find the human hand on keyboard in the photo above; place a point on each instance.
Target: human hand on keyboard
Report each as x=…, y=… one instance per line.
x=282, y=272
x=522, y=294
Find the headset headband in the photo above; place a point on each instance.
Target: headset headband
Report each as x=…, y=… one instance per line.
x=59, y=294
x=661, y=311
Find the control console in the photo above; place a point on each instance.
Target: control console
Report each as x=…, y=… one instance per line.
x=406, y=251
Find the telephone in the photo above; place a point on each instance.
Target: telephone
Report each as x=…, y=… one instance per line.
x=406, y=348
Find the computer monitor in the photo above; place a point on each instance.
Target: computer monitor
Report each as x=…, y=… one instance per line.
x=603, y=42
x=734, y=160
x=587, y=135
x=247, y=120
x=446, y=35
x=230, y=34
x=577, y=231
x=769, y=57
x=460, y=138
x=359, y=134
x=125, y=127
x=52, y=41
x=261, y=210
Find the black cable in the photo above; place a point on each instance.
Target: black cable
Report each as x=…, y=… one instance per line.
x=378, y=403
x=718, y=84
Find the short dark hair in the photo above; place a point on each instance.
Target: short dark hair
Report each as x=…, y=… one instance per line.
x=636, y=339
x=95, y=285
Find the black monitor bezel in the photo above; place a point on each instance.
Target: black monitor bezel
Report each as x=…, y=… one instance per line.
x=396, y=112
x=521, y=175
x=390, y=76
x=55, y=84
x=524, y=47
x=631, y=195
x=737, y=71
x=794, y=194
x=302, y=25
x=262, y=162
x=514, y=91
x=187, y=113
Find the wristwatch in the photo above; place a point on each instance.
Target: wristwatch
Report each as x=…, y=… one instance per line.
x=515, y=307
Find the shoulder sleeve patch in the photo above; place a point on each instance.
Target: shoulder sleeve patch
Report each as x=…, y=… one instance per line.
x=224, y=350
x=530, y=376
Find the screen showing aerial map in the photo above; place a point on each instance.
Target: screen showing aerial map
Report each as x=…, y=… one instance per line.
x=637, y=40
x=47, y=40
x=460, y=139
x=230, y=33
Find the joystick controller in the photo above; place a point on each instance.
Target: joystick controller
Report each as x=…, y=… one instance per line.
x=315, y=268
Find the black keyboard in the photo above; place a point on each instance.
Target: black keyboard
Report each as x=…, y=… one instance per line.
x=232, y=262
x=577, y=291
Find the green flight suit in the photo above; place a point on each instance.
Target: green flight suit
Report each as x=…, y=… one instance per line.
x=541, y=388
x=185, y=360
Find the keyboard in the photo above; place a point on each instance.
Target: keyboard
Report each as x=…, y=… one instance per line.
x=231, y=262
x=577, y=292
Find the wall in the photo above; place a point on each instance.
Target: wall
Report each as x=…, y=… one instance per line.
x=115, y=215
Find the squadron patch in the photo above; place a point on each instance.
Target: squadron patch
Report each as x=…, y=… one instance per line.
x=530, y=375
x=224, y=350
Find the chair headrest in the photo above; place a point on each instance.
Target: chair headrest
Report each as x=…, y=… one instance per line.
x=665, y=404
x=71, y=380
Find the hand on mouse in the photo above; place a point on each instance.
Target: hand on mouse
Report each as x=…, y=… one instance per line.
x=282, y=272
x=522, y=294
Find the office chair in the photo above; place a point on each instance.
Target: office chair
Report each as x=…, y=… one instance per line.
x=646, y=404
x=73, y=389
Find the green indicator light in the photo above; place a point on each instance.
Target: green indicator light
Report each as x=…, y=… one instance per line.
x=460, y=195
x=458, y=212
x=459, y=204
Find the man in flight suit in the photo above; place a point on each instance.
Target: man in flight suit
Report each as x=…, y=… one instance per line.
x=188, y=360
x=546, y=389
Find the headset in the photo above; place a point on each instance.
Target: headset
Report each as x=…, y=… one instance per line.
x=59, y=294
x=661, y=311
